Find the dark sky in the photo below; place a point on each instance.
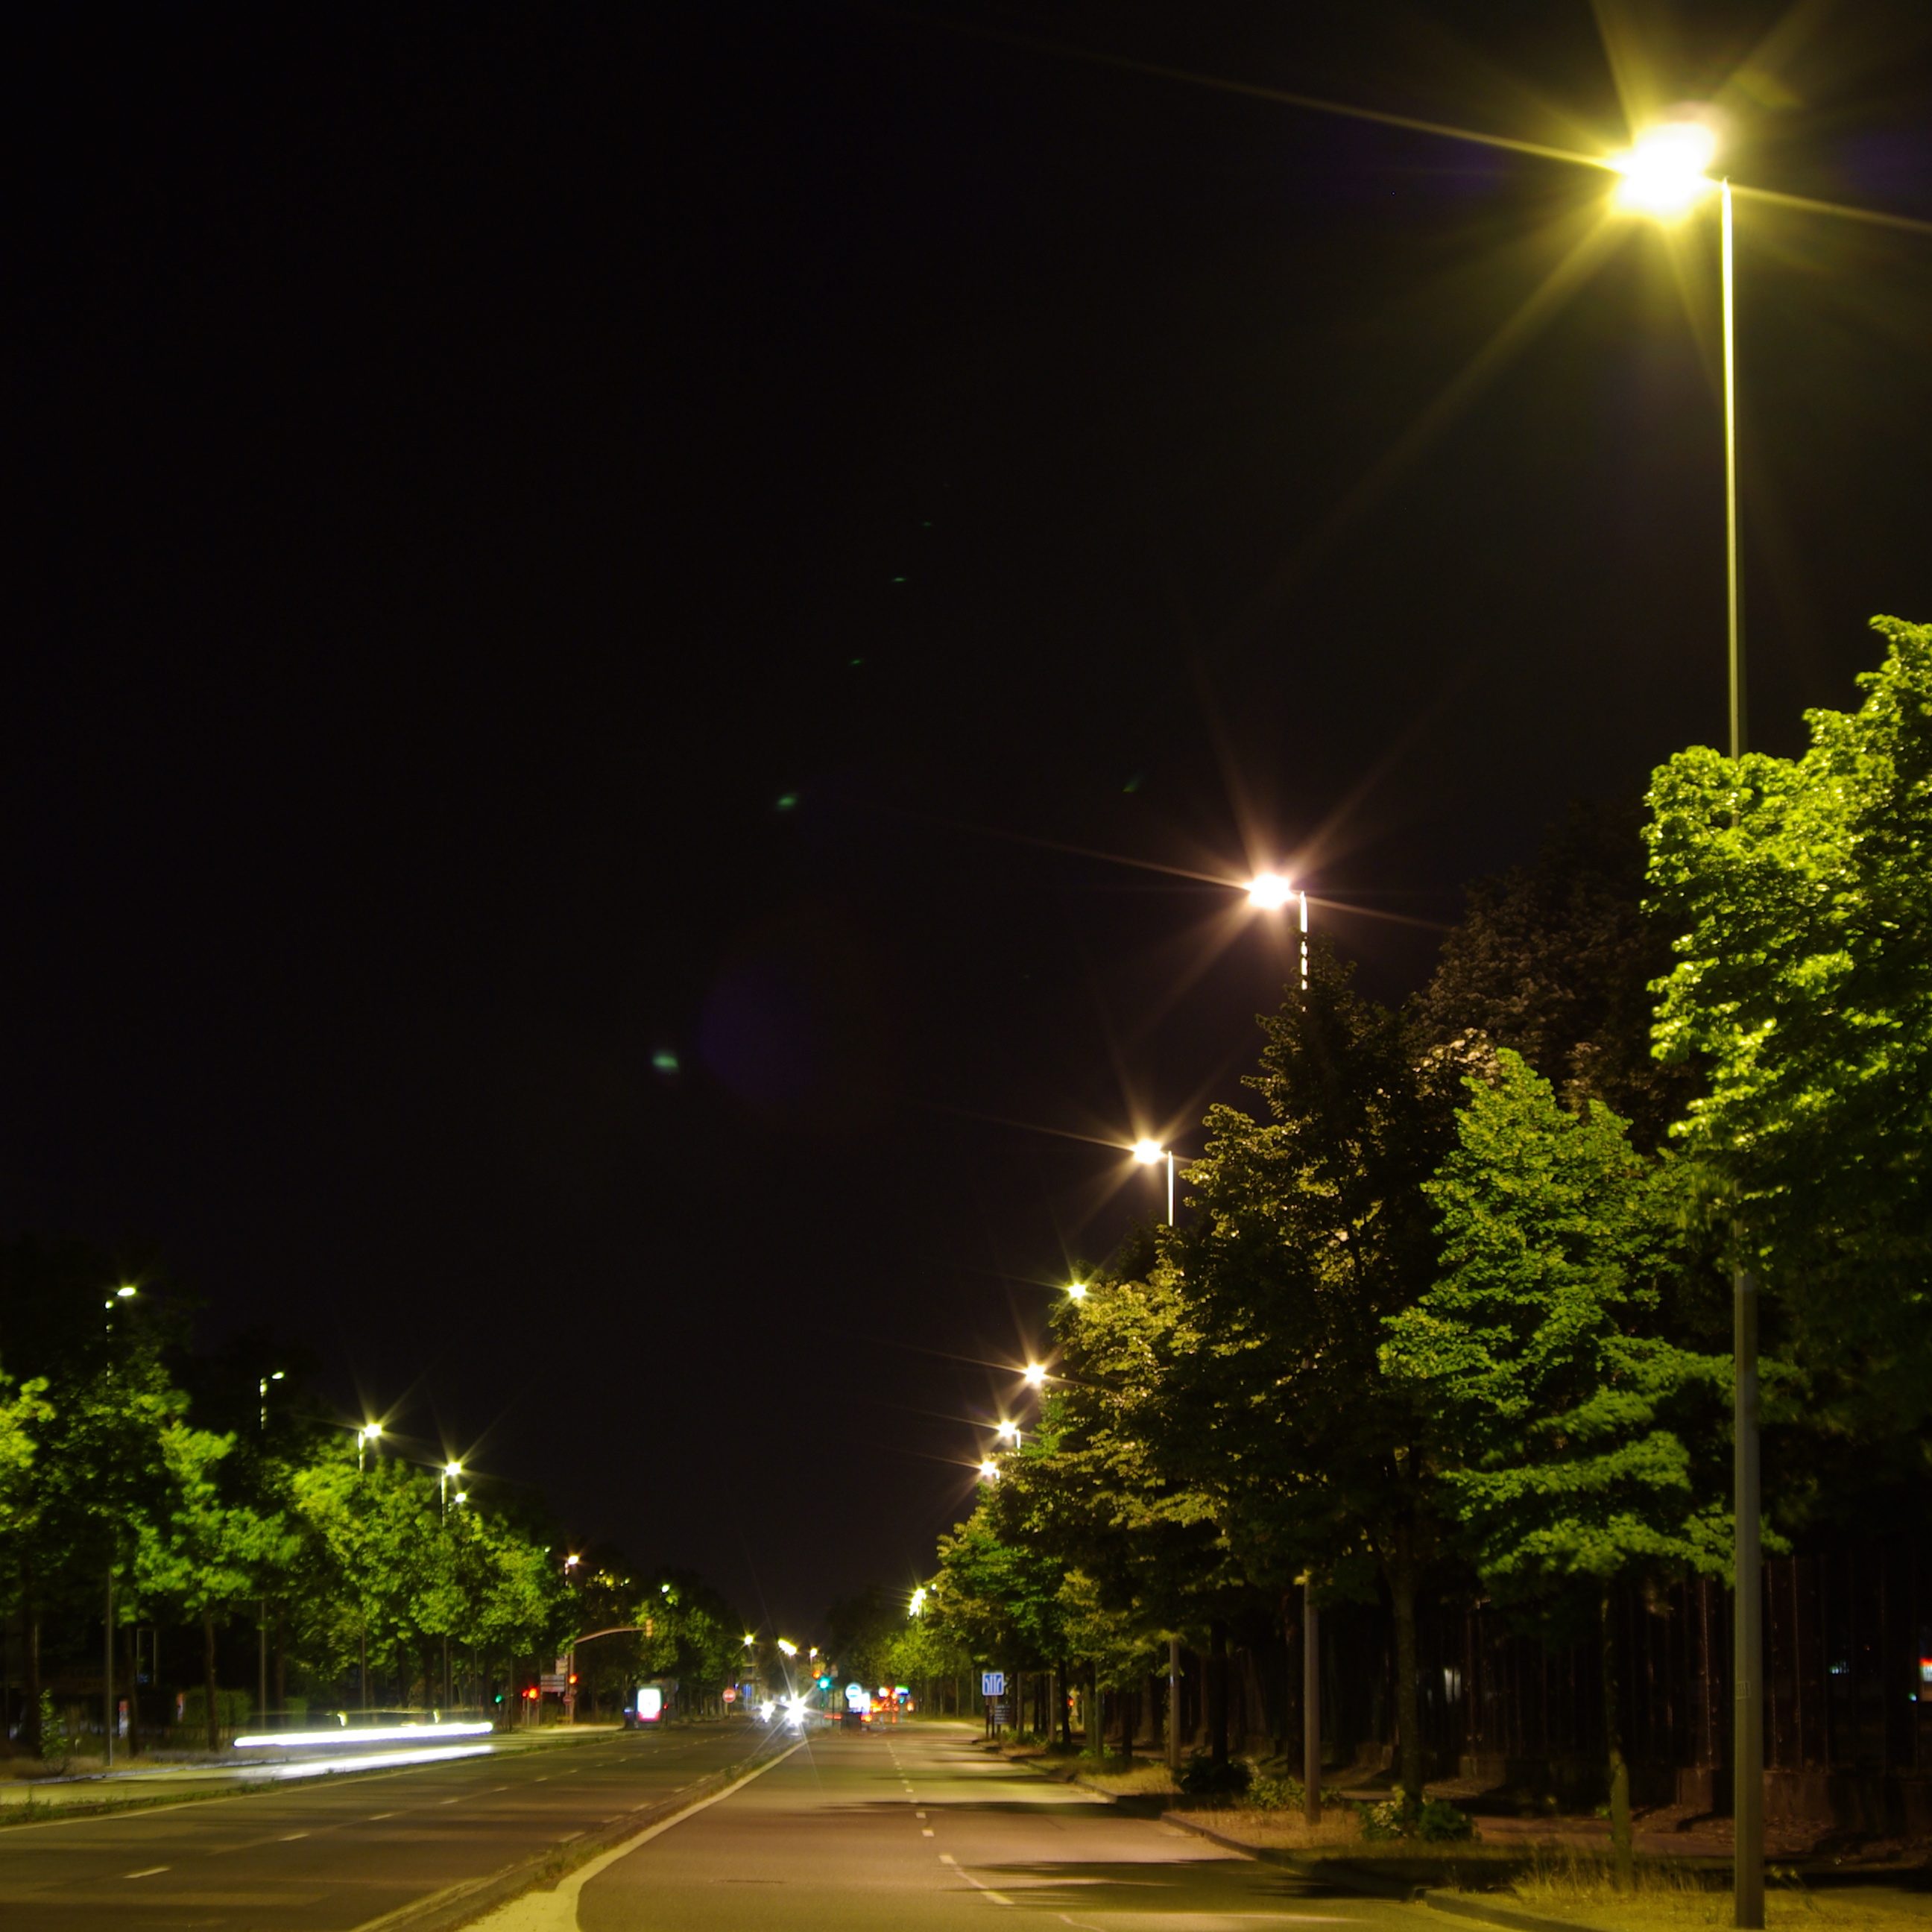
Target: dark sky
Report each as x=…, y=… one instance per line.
x=559, y=538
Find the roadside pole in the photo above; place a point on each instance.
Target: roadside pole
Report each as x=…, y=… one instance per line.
x=1311, y=1705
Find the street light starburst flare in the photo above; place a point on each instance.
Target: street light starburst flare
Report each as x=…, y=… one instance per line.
x=1666, y=171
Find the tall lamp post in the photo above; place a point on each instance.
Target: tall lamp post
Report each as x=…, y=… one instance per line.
x=1664, y=174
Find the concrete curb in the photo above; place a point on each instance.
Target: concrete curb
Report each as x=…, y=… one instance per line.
x=1476, y=1905
x=458, y=1904
x=1365, y=1878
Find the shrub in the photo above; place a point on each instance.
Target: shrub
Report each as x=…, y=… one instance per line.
x=1439, y=1822
x=1435, y=1821
x=1201, y=1777
x=54, y=1747
x=1267, y=1792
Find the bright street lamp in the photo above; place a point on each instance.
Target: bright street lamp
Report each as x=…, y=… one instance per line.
x=1269, y=892
x=1148, y=1152
x=1034, y=1374
x=1008, y=1432
x=366, y=1437
x=450, y=1469
x=1076, y=1291
x=1664, y=174
x=918, y=1607
x=989, y=1471
x=786, y=1644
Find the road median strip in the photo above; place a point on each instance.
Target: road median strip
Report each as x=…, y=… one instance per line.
x=564, y=1859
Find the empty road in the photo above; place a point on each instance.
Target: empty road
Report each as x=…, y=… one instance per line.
x=915, y=1830
x=338, y=1853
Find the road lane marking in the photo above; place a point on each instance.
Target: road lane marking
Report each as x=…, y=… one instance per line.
x=374, y=1815
x=448, y=1800
x=978, y=1884
x=149, y=1872
x=927, y=1832
x=289, y=1837
x=559, y=1908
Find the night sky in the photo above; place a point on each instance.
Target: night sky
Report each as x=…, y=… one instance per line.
x=644, y=634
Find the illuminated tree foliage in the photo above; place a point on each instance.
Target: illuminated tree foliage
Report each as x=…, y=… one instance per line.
x=1315, y=1224
x=1564, y=1419
x=1803, y=986
x=1554, y=960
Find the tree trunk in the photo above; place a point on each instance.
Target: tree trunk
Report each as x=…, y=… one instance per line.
x=208, y=1691
x=30, y=1627
x=1285, y=1726
x=131, y=1670
x=1096, y=1736
x=1065, y=1726
x=1217, y=1692
x=1408, y=1685
x=1619, y=1771
x=281, y=1665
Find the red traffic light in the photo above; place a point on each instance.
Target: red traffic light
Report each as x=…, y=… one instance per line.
x=573, y=1677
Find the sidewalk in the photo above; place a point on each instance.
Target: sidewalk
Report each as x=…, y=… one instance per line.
x=1549, y=1872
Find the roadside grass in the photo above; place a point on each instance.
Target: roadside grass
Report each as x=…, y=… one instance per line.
x=1666, y=1896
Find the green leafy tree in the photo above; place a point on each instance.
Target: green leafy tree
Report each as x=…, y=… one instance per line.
x=204, y=1550
x=1315, y=1224
x=1802, y=890
x=1566, y=1421
x=1556, y=960
x=1124, y=1486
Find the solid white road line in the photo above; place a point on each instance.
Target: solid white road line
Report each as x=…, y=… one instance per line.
x=556, y=1911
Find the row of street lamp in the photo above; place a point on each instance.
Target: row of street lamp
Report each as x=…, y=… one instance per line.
x=1664, y=174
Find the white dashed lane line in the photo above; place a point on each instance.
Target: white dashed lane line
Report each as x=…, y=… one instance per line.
x=149, y=1872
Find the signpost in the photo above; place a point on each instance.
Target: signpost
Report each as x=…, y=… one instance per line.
x=993, y=1689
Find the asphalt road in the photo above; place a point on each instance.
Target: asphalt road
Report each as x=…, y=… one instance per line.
x=337, y=1854
x=915, y=1830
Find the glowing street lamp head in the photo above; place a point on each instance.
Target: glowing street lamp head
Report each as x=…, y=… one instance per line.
x=1147, y=1152
x=1034, y=1374
x=371, y=1432
x=989, y=1471
x=1008, y=1432
x=452, y=1468
x=124, y=1290
x=789, y=1648
x=1076, y=1291
x=1665, y=172
x=1269, y=892
x=919, y=1601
